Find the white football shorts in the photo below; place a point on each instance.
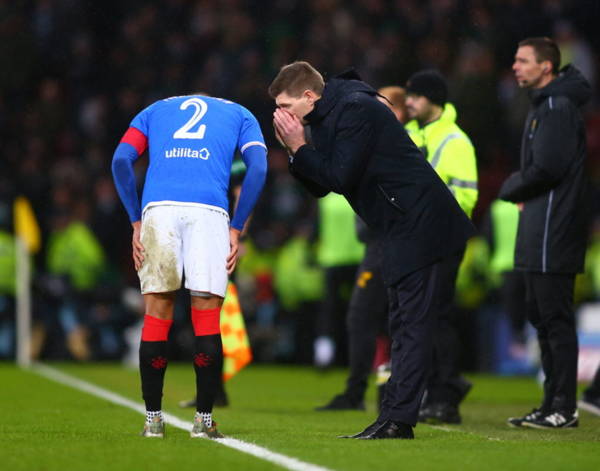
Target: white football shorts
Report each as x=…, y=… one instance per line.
x=190, y=238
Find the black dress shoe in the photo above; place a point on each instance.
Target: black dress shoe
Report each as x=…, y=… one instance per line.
x=370, y=429
x=389, y=429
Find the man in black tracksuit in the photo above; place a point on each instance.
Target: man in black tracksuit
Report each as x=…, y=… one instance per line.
x=360, y=150
x=551, y=189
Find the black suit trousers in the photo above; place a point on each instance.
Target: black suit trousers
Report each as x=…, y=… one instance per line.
x=413, y=311
x=445, y=384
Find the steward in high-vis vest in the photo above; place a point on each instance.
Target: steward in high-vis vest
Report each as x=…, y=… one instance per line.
x=447, y=148
x=501, y=232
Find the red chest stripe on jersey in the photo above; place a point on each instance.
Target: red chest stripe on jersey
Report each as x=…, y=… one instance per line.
x=135, y=138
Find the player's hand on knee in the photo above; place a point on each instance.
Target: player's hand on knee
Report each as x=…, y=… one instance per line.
x=138, y=248
x=234, y=243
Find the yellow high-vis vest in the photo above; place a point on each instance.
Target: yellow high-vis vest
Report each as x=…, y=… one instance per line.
x=450, y=152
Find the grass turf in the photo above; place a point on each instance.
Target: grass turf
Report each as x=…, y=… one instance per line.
x=48, y=426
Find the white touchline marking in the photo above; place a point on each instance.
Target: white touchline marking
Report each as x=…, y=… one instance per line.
x=284, y=461
x=443, y=428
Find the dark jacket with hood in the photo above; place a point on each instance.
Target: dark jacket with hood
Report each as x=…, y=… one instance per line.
x=360, y=150
x=551, y=181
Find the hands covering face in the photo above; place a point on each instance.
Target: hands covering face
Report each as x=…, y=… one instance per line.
x=288, y=130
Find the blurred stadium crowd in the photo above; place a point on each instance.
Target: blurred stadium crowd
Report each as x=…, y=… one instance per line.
x=76, y=72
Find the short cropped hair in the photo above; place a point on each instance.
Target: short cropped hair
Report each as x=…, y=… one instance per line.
x=545, y=49
x=296, y=77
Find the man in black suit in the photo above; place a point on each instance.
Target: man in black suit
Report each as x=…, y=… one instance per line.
x=360, y=150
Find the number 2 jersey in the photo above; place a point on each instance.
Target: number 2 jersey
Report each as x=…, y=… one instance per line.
x=192, y=141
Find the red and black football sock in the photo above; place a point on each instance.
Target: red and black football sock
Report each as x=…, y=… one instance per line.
x=153, y=360
x=208, y=356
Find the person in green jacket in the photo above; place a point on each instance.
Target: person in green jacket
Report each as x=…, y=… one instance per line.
x=339, y=252
x=433, y=128
x=510, y=283
x=75, y=256
x=8, y=259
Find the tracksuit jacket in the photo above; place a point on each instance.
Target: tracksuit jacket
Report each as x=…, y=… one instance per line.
x=551, y=181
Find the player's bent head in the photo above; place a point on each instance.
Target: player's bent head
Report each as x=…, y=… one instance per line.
x=544, y=49
x=295, y=78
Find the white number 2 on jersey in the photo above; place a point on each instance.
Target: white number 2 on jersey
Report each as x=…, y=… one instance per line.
x=184, y=131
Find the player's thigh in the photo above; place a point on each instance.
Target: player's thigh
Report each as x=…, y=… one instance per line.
x=162, y=269
x=205, y=250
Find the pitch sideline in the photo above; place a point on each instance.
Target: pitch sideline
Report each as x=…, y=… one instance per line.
x=257, y=451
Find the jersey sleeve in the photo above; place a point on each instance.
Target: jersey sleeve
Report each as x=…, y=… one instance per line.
x=132, y=145
x=140, y=122
x=255, y=158
x=250, y=133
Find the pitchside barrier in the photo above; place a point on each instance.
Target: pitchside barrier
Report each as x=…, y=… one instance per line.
x=23, y=304
x=588, y=326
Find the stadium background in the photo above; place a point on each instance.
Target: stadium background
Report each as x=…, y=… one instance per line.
x=74, y=73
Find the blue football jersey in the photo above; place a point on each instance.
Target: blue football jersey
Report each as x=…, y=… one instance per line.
x=192, y=141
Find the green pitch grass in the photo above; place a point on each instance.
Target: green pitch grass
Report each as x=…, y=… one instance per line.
x=48, y=426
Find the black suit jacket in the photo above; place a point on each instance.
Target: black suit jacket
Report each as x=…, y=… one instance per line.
x=361, y=151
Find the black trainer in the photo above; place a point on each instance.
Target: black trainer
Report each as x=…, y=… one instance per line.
x=439, y=413
x=590, y=404
x=554, y=420
x=520, y=421
x=342, y=402
x=389, y=429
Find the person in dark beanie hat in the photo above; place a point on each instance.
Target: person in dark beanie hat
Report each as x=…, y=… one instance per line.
x=450, y=152
x=430, y=84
